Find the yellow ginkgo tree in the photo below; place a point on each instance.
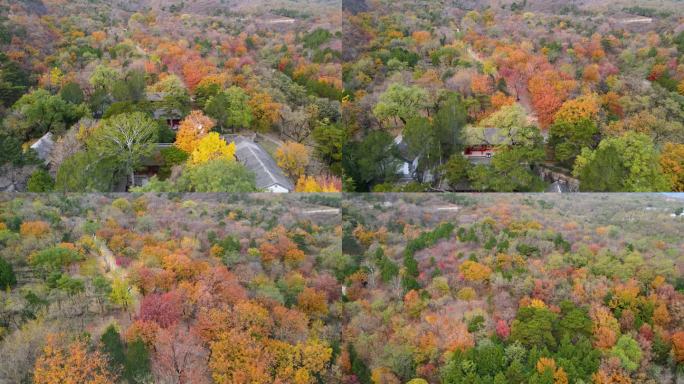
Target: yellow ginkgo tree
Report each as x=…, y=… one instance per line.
x=325, y=184
x=293, y=158
x=212, y=147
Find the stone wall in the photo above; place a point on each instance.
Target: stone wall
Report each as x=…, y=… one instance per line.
x=552, y=176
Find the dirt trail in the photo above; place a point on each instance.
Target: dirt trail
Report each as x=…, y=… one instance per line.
x=526, y=103
x=112, y=271
x=474, y=55
x=108, y=260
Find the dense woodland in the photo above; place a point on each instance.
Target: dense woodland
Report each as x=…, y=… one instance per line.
x=105, y=78
x=343, y=93
x=169, y=289
x=368, y=289
x=590, y=89
x=523, y=288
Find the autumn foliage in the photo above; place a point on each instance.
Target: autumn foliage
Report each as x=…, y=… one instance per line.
x=34, y=228
x=678, y=346
x=672, y=162
x=70, y=364
x=192, y=129
x=212, y=147
x=474, y=271
x=293, y=158
x=325, y=184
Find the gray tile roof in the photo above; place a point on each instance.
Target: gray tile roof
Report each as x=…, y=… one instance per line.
x=163, y=113
x=480, y=160
x=44, y=147
x=485, y=136
x=257, y=160
x=156, y=96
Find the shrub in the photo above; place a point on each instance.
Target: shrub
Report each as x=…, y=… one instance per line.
x=40, y=181
x=34, y=228
x=7, y=277
x=466, y=294
x=54, y=258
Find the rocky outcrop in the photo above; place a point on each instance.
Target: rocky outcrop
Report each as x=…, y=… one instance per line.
x=14, y=179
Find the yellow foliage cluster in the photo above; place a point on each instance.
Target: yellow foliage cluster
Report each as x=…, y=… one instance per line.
x=661, y=315
x=583, y=107
x=152, y=255
x=71, y=365
x=417, y=381
x=266, y=112
x=385, y=375
x=304, y=70
x=319, y=184
x=466, y=294
x=559, y=375
x=223, y=80
x=34, y=228
x=233, y=353
x=212, y=147
x=86, y=243
x=474, y=271
x=626, y=295
x=394, y=34
x=293, y=158
x=216, y=251
x=545, y=363
x=523, y=226
x=537, y=303
x=591, y=73
x=52, y=79
x=313, y=302
x=294, y=256
x=365, y=236
x=507, y=262
x=308, y=184
x=527, y=301
x=413, y=303
x=672, y=163
x=605, y=327
x=657, y=282
x=678, y=346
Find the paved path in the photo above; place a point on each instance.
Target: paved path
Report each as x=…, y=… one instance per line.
x=447, y=208
x=335, y=211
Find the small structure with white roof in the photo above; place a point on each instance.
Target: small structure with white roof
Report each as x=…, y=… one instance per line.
x=269, y=177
